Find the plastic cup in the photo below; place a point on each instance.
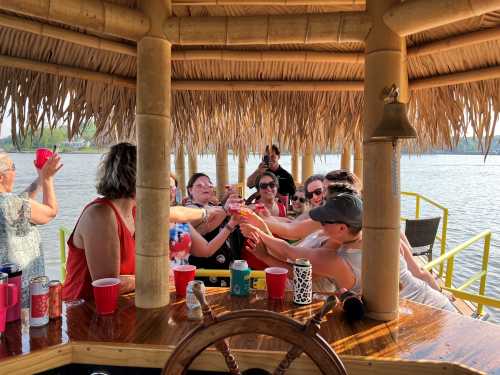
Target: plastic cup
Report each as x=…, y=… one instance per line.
x=106, y=292
x=276, y=282
x=41, y=157
x=183, y=274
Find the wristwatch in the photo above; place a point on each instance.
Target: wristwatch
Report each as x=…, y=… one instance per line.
x=204, y=216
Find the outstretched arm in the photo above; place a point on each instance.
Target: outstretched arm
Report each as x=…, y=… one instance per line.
x=296, y=230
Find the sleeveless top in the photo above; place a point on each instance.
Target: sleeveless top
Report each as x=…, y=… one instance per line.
x=418, y=290
x=78, y=283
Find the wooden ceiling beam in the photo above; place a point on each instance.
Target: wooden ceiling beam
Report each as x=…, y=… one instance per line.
x=196, y=85
x=265, y=30
x=413, y=16
x=93, y=15
x=269, y=2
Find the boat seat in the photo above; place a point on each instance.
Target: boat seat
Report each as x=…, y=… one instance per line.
x=421, y=234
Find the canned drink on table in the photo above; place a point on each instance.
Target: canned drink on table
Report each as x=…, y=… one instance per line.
x=193, y=305
x=55, y=299
x=240, y=278
x=39, y=301
x=302, y=282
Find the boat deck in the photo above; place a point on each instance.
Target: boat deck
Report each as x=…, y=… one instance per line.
x=144, y=338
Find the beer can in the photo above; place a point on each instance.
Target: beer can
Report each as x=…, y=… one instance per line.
x=39, y=301
x=302, y=282
x=240, y=278
x=193, y=305
x=55, y=299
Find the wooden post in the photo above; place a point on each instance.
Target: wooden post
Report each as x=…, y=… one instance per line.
x=295, y=167
x=153, y=160
x=345, y=159
x=180, y=170
x=385, y=65
x=221, y=170
x=193, y=163
x=307, y=162
x=358, y=160
x=242, y=161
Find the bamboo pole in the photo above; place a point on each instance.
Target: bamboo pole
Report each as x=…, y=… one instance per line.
x=264, y=56
x=180, y=170
x=358, y=160
x=242, y=161
x=414, y=16
x=92, y=15
x=295, y=167
x=111, y=79
x=307, y=162
x=385, y=65
x=350, y=3
x=455, y=42
x=192, y=163
x=153, y=161
x=296, y=29
x=222, y=171
x=345, y=158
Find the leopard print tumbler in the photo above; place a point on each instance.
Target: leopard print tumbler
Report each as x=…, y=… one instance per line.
x=302, y=282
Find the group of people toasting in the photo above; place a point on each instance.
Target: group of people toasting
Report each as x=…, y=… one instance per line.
x=324, y=225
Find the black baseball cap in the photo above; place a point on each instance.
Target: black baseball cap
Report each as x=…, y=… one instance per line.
x=343, y=208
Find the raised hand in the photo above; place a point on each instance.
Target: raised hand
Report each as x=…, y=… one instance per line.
x=51, y=167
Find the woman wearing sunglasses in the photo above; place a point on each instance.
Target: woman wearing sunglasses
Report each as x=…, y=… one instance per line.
x=19, y=215
x=314, y=190
x=267, y=189
x=299, y=203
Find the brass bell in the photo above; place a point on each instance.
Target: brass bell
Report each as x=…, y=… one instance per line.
x=394, y=124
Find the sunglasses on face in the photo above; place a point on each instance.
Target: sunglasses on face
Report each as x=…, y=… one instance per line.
x=300, y=199
x=309, y=194
x=265, y=185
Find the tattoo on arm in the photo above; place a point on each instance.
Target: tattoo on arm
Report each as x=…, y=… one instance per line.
x=33, y=188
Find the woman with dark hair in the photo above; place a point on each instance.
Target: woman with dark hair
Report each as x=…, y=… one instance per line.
x=267, y=189
x=102, y=243
x=314, y=190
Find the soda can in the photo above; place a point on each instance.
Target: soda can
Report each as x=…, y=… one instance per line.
x=39, y=301
x=55, y=299
x=240, y=278
x=193, y=305
x=302, y=282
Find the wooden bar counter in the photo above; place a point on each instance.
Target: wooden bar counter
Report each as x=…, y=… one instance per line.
x=145, y=338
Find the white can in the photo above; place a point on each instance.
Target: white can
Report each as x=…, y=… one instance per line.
x=302, y=282
x=193, y=305
x=39, y=301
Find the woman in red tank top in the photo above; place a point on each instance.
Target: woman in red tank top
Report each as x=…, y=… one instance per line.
x=102, y=243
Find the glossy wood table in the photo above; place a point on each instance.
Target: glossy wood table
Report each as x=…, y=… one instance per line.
x=144, y=338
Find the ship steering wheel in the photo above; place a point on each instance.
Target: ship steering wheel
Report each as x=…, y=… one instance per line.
x=304, y=338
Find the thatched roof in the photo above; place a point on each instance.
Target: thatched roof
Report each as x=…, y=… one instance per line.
x=248, y=119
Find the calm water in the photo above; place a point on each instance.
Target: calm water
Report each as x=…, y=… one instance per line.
x=465, y=184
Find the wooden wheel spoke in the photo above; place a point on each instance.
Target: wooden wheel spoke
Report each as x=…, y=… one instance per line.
x=223, y=347
x=285, y=363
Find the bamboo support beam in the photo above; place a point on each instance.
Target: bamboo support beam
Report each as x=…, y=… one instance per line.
x=358, y=160
x=244, y=30
x=385, y=65
x=222, y=170
x=350, y=3
x=192, y=163
x=413, y=16
x=455, y=42
x=92, y=15
x=307, y=162
x=295, y=167
x=242, y=161
x=345, y=158
x=154, y=137
x=180, y=170
x=111, y=79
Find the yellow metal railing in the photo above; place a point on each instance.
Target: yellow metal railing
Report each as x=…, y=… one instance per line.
x=63, y=234
x=258, y=278
x=449, y=257
x=444, y=223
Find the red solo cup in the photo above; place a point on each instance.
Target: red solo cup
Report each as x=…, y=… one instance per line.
x=8, y=298
x=106, y=292
x=182, y=276
x=276, y=282
x=41, y=157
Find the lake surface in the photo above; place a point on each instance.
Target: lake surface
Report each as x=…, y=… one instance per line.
x=466, y=184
